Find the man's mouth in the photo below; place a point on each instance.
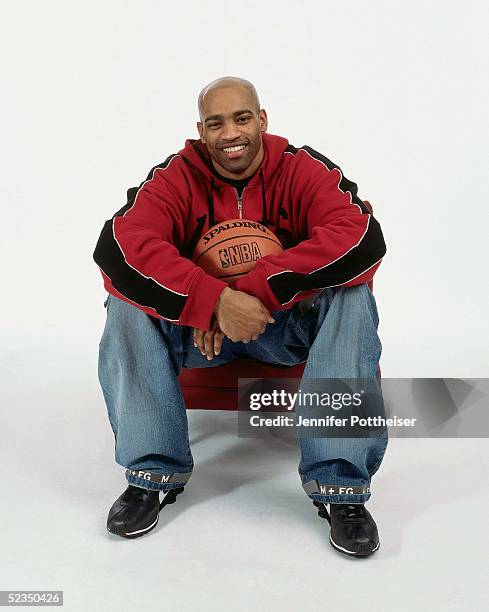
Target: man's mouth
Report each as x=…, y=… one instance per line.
x=234, y=151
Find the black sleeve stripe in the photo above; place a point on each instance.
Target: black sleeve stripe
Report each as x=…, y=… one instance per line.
x=369, y=251
x=132, y=192
x=132, y=284
x=362, y=256
x=345, y=185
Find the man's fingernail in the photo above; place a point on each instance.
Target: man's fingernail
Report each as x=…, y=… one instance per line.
x=195, y=344
x=209, y=357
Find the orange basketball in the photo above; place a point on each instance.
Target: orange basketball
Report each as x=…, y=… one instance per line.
x=230, y=249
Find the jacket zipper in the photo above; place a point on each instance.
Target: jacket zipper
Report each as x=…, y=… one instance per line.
x=240, y=202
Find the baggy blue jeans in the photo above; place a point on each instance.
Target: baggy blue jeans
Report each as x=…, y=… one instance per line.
x=141, y=356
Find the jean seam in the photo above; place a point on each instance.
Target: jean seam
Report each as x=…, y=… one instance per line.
x=376, y=466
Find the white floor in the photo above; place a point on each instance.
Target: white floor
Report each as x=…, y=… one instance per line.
x=243, y=535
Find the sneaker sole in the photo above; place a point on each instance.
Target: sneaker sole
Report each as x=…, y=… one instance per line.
x=363, y=550
x=133, y=534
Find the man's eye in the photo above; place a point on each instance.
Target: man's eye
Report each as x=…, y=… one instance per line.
x=213, y=125
x=243, y=119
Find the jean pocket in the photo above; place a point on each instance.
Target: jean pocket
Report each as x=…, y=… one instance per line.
x=106, y=303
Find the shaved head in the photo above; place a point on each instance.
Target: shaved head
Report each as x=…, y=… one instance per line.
x=228, y=81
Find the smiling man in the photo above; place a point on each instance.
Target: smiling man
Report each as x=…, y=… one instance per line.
x=232, y=135
x=165, y=313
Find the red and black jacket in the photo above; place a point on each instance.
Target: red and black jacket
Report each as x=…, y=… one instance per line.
x=329, y=236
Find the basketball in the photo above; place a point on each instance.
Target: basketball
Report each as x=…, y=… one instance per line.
x=230, y=249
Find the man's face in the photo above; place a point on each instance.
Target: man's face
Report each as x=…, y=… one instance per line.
x=230, y=119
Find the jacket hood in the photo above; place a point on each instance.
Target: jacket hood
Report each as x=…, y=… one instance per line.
x=195, y=152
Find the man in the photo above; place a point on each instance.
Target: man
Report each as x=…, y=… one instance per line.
x=164, y=313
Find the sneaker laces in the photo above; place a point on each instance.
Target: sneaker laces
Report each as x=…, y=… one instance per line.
x=352, y=513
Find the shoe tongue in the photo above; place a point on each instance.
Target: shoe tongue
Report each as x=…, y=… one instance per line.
x=139, y=489
x=135, y=492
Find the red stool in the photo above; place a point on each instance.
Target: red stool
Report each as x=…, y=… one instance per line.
x=217, y=388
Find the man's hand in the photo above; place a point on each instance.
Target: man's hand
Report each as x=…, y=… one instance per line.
x=240, y=316
x=209, y=343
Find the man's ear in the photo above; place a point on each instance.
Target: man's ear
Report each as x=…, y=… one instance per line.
x=263, y=120
x=200, y=129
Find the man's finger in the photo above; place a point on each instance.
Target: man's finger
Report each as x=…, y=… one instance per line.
x=218, y=339
x=199, y=340
x=209, y=344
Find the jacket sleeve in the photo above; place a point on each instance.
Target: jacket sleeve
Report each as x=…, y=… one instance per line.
x=140, y=262
x=343, y=242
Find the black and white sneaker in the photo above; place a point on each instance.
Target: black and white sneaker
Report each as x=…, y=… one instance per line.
x=353, y=530
x=136, y=511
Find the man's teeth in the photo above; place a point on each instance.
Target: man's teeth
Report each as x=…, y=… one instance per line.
x=232, y=149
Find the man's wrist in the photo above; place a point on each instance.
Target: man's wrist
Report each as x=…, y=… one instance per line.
x=219, y=299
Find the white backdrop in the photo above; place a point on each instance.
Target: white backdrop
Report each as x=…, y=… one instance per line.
x=94, y=94
x=97, y=93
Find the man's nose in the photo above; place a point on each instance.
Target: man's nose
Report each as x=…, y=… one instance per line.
x=230, y=132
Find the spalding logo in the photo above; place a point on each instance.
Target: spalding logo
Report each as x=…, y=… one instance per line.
x=227, y=226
